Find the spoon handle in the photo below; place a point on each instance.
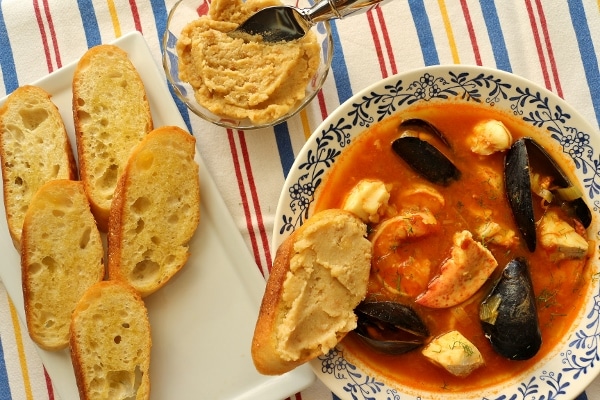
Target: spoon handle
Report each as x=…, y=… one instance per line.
x=333, y=9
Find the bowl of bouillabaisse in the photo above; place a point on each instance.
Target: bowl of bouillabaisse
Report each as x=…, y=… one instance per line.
x=240, y=82
x=479, y=190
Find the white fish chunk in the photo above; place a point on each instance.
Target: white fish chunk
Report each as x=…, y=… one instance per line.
x=560, y=238
x=490, y=136
x=368, y=200
x=455, y=353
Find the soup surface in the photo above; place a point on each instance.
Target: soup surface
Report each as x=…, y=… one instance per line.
x=401, y=271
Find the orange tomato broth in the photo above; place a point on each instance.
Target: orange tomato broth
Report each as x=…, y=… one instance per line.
x=560, y=288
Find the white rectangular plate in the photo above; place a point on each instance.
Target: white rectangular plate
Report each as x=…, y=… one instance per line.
x=203, y=320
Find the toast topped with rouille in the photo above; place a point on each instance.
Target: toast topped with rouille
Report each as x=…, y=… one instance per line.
x=111, y=114
x=34, y=149
x=319, y=275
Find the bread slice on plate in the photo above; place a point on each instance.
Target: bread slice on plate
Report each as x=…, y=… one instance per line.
x=110, y=343
x=319, y=275
x=111, y=114
x=155, y=211
x=34, y=148
x=61, y=256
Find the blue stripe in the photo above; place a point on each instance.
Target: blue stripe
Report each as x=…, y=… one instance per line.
x=492, y=22
x=284, y=147
x=588, y=53
x=159, y=9
x=90, y=23
x=4, y=386
x=419, y=14
x=7, y=62
x=339, y=68
x=344, y=91
x=160, y=18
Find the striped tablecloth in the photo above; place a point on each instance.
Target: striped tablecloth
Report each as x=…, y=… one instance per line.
x=554, y=43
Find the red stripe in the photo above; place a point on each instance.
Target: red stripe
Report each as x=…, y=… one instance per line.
x=49, y=385
x=136, y=15
x=471, y=29
x=538, y=45
x=243, y=194
x=549, y=48
x=244, y=198
x=254, y=193
x=386, y=40
x=322, y=105
x=377, y=43
x=52, y=34
x=38, y=17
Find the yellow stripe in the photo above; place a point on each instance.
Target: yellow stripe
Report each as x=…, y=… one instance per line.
x=449, y=33
x=20, y=349
x=114, y=17
x=305, y=124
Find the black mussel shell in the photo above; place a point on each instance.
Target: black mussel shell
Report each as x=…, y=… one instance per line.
x=514, y=331
x=426, y=160
x=582, y=211
x=417, y=127
x=390, y=327
x=517, y=182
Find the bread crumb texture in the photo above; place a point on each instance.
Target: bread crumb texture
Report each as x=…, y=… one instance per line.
x=62, y=255
x=156, y=211
x=34, y=149
x=110, y=344
x=111, y=114
x=238, y=78
x=327, y=279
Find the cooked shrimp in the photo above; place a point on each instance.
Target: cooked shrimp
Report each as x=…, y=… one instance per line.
x=400, y=269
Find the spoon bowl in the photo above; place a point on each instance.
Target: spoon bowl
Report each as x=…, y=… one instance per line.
x=276, y=24
x=286, y=23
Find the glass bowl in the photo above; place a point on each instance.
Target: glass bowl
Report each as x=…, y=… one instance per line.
x=184, y=12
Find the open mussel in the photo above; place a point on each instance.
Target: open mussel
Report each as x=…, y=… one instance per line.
x=540, y=161
x=527, y=157
x=390, y=327
x=509, y=314
x=415, y=147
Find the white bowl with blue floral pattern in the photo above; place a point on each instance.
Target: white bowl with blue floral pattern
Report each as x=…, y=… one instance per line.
x=571, y=367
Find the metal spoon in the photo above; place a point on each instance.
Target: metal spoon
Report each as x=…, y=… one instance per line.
x=285, y=23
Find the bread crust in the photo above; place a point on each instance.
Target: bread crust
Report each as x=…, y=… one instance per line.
x=62, y=255
x=111, y=115
x=34, y=148
x=149, y=231
x=338, y=288
x=264, y=342
x=111, y=340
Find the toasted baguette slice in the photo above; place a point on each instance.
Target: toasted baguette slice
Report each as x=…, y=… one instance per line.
x=111, y=115
x=319, y=275
x=34, y=148
x=155, y=211
x=61, y=256
x=110, y=343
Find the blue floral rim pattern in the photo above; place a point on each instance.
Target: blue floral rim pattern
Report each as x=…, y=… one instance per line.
x=566, y=374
